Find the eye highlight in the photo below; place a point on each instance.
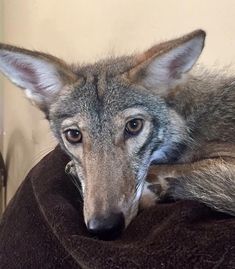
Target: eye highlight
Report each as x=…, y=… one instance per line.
x=73, y=136
x=133, y=127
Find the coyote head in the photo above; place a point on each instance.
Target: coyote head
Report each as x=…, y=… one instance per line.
x=112, y=118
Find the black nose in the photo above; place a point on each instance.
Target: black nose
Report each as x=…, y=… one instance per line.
x=107, y=227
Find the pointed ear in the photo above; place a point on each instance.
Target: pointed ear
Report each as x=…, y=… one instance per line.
x=41, y=75
x=164, y=66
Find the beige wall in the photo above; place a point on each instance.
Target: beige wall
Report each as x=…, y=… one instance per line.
x=86, y=30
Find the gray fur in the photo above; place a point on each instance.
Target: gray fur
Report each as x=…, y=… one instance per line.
x=212, y=185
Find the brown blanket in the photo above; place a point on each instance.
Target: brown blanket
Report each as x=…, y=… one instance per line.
x=43, y=228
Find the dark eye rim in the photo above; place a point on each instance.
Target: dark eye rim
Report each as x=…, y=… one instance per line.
x=130, y=133
x=69, y=139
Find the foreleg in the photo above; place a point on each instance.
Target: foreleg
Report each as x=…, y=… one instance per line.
x=210, y=181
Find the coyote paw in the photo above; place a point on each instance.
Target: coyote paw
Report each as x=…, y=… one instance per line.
x=70, y=168
x=152, y=194
x=149, y=197
x=156, y=188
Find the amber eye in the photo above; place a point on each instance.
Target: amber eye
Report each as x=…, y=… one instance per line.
x=73, y=136
x=133, y=127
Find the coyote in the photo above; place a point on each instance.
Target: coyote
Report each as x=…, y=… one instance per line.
x=138, y=129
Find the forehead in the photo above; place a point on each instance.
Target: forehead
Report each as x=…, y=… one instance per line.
x=92, y=113
x=100, y=98
x=102, y=95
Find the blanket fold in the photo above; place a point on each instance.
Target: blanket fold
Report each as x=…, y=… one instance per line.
x=43, y=227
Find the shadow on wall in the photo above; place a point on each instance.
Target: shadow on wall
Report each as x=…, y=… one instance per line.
x=3, y=176
x=18, y=150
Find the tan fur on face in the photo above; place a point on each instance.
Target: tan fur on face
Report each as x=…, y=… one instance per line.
x=107, y=171
x=109, y=183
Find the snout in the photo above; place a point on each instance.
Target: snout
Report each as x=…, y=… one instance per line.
x=107, y=227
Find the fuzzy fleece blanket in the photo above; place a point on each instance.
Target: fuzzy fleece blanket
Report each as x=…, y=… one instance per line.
x=43, y=227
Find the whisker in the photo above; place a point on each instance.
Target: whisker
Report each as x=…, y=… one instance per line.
x=77, y=184
x=41, y=154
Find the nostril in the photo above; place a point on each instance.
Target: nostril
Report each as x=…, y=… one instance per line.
x=108, y=227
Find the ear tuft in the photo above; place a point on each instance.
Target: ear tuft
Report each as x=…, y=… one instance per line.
x=164, y=66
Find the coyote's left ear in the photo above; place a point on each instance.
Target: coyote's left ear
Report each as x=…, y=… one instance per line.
x=42, y=76
x=164, y=66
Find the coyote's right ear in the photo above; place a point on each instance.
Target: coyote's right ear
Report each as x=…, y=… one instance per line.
x=41, y=75
x=163, y=66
